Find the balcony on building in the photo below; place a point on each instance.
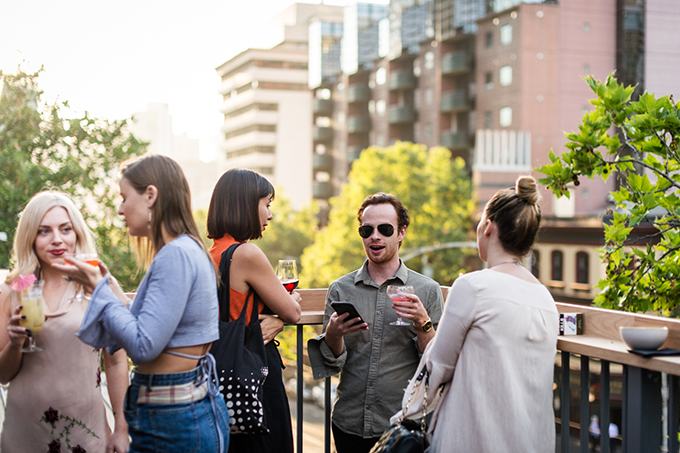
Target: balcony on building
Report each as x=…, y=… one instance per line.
x=455, y=140
x=322, y=162
x=322, y=190
x=323, y=133
x=323, y=106
x=358, y=93
x=358, y=124
x=401, y=115
x=454, y=63
x=353, y=153
x=402, y=80
x=455, y=101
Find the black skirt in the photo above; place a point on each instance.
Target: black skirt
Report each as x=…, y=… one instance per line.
x=276, y=410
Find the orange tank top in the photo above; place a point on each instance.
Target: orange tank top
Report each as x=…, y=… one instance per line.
x=236, y=298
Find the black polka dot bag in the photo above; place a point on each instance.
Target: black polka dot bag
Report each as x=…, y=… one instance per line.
x=241, y=359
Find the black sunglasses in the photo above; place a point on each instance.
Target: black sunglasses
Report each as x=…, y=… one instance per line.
x=385, y=229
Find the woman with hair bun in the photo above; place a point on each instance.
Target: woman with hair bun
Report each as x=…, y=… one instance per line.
x=494, y=350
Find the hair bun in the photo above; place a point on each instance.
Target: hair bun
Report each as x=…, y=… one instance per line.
x=527, y=189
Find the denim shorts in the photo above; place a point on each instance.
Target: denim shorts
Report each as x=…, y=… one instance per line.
x=166, y=428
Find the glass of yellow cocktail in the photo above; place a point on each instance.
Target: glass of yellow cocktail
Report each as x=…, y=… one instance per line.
x=31, y=301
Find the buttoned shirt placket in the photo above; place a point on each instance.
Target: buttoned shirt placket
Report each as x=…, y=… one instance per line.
x=374, y=364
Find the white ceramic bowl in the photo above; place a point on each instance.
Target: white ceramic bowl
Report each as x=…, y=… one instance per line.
x=644, y=338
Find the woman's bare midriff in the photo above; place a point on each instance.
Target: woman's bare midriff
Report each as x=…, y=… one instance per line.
x=169, y=363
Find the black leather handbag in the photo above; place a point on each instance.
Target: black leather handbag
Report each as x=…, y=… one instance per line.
x=404, y=435
x=241, y=359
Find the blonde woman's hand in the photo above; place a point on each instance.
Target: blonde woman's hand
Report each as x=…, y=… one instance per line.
x=17, y=334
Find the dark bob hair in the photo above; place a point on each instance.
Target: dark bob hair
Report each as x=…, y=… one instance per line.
x=234, y=205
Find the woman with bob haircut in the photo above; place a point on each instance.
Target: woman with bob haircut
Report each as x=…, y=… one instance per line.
x=172, y=403
x=493, y=353
x=50, y=389
x=239, y=212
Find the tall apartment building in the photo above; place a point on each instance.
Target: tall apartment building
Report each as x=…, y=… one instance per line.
x=498, y=83
x=154, y=125
x=267, y=104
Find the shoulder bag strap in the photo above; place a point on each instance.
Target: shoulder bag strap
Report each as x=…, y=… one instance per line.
x=223, y=290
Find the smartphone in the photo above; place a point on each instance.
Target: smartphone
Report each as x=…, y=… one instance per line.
x=347, y=307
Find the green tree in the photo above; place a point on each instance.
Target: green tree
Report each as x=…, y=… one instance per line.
x=638, y=142
x=433, y=187
x=42, y=150
x=289, y=232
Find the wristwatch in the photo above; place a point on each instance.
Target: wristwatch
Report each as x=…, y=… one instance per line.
x=426, y=327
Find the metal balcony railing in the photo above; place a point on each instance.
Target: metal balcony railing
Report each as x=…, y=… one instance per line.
x=358, y=93
x=358, y=124
x=646, y=426
x=402, y=80
x=650, y=387
x=455, y=140
x=455, y=101
x=323, y=106
x=455, y=63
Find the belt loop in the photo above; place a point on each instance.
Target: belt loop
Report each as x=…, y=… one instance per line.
x=150, y=381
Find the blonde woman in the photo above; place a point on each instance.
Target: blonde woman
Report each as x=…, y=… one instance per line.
x=494, y=350
x=54, y=398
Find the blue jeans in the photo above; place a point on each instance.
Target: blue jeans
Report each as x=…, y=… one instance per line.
x=166, y=428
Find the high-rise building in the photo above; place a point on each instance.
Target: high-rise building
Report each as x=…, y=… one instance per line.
x=267, y=102
x=498, y=82
x=154, y=125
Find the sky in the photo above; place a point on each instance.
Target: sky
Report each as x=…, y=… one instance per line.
x=112, y=58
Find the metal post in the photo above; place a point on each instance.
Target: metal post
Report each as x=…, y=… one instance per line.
x=565, y=402
x=642, y=410
x=604, y=407
x=327, y=416
x=673, y=412
x=585, y=393
x=300, y=388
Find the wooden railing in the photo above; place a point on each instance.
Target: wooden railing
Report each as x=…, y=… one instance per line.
x=641, y=429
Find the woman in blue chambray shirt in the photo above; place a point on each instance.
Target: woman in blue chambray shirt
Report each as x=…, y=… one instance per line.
x=172, y=403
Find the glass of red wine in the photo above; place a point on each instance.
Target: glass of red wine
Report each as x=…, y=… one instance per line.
x=288, y=274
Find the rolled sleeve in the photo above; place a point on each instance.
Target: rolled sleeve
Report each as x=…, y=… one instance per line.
x=323, y=361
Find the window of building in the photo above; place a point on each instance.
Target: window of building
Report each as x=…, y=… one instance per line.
x=380, y=76
x=428, y=131
x=488, y=80
x=489, y=40
x=582, y=267
x=429, y=60
x=488, y=120
x=323, y=93
x=505, y=116
x=536, y=263
x=416, y=68
x=586, y=69
x=429, y=96
x=506, y=34
x=557, y=263
x=505, y=76
x=371, y=106
x=380, y=106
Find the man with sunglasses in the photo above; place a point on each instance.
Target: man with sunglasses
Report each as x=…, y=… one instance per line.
x=374, y=358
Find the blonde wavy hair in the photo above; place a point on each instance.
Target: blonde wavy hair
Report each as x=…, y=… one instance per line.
x=24, y=259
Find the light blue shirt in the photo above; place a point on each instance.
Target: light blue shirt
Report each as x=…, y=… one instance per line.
x=176, y=305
